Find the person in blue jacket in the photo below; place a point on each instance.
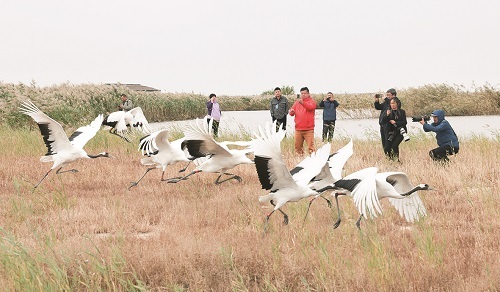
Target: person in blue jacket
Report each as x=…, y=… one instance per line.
x=329, y=116
x=446, y=138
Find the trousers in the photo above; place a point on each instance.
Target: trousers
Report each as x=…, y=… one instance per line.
x=300, y=137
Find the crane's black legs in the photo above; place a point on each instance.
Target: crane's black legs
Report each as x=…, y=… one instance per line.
x=358, y=223
x=310, y=202
x=184, y=169
x=57, y=172
x=337, y=223
x=218, y=181
x=285, y=216
x=267, y=222
x=176, y=180
x=169, y=179
x=309, y=206
x=133, y=184
x=69, y=170
x=123, y=137
x=42, y=179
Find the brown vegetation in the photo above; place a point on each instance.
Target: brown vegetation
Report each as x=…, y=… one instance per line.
x=86, y=231
x=72, y=105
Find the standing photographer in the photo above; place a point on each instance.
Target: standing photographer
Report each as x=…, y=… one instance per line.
x=395, y=119
x=303, y=111
x=446, y=138
x=329, y=116
x=383, y=107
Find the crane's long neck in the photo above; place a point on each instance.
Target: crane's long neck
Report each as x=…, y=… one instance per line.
x=98, y=155
x=329, y=187
x=417, y=188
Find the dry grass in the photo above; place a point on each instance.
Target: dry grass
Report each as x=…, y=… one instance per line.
x=86, y=231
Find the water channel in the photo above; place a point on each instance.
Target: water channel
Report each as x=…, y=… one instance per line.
x=346, y=126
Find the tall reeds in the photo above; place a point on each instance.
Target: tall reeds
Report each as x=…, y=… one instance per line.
x=74, y=105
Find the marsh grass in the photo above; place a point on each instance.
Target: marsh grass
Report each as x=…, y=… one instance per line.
x=74, y=105
x=87, y=232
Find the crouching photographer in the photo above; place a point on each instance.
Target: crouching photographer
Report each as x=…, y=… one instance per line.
x=446, y=138
x=395, y=118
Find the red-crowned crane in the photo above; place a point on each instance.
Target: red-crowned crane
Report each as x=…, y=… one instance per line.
x=161, y=153
x=62, y=150
x=367, y=187
x=213, y=156
x=275, y=176
x=120, y=122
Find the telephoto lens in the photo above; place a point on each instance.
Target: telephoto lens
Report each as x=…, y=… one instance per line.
x=406, y=137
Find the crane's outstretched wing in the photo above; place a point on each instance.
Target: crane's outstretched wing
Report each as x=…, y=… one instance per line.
x=332, y=170
x=139, y=120
x=116, y=120
x=311, y=166
x=150, y=144
x=52, y=132
x=409, y=207
x=199, y=140
x=83, y=134
x=362, y=185
x=271, y=169
x=337, y=160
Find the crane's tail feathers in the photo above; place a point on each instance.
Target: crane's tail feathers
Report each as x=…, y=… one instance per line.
x=266, y=198
x=47, y=158
x=147, y=161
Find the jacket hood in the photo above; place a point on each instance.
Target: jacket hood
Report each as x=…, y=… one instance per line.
x=439, y=114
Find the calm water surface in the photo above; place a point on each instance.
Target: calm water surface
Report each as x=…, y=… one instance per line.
x=363, y=128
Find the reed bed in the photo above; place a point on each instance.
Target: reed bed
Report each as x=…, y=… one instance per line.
x=87, y=232
x=74, y=105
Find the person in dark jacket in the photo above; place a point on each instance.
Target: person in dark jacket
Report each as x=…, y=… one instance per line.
x=446, y=138
x=329, y=116
x=382, y=107
x=395, y=119
x=279, y=109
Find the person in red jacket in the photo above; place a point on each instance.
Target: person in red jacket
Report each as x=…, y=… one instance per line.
x=303, y=111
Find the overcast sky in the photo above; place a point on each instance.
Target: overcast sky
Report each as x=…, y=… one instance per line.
x=246, y=47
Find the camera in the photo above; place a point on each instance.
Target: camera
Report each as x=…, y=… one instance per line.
x=378, y=95
x=419, y=118
x=298, y=96
x=406, y=137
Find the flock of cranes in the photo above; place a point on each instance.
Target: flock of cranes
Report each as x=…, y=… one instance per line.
x=316, y=175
